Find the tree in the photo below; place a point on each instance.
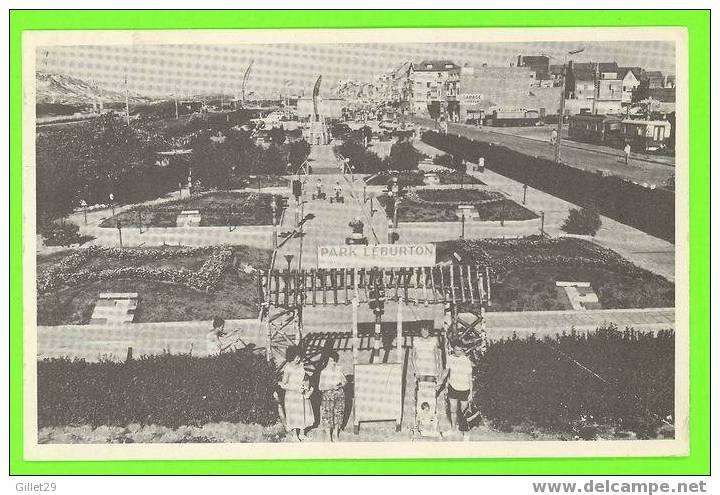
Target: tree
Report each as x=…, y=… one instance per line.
x=403, y=156
x=273, y=161
x=277, y=135
x=582, y=221
x=299, y=151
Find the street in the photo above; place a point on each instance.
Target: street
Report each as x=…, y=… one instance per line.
x=580, y=155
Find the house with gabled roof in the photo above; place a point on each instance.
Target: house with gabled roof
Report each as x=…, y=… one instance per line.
x=630, y=77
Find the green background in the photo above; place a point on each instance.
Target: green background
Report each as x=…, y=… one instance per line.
x=698, y=26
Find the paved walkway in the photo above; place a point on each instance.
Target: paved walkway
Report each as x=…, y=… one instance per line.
x=94, y=342
x=330, y=224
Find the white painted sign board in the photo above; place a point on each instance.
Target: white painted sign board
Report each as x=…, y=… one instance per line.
x=379, y=255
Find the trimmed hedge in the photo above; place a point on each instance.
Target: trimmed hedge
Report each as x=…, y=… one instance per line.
x=649, y=210
x=167, y=390
x=534, y=383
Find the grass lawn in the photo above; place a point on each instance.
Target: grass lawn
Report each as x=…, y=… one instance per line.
x=440, y=205
x=217, y=208
x=525, y=272
x=232, y=296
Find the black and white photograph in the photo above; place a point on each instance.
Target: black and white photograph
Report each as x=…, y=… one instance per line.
x=356, y=243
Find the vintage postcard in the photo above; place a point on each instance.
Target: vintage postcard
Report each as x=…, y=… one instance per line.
x=376, y=243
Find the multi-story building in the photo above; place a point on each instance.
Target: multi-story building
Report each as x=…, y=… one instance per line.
x=593, y=87
x=488, y=88
x=435, y=88
x=540, y=64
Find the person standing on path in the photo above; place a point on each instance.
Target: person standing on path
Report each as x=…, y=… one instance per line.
x=459, y=383
x=299, y=414
x=426, y=356
x=332, y=388
x=627, y=150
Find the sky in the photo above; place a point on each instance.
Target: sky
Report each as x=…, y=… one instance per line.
x=162, y=70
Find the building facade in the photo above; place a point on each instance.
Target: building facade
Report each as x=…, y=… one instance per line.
x=593, y=87
x=435, y=88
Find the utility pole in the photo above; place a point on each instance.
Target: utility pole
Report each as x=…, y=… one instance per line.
x=177, y=112
x=561, y=114
x=596, y=88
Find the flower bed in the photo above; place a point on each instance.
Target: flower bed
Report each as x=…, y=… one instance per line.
x=440, y=205
x=525, y=271
x=174, y=284
x=217, y=208
x=416, y=178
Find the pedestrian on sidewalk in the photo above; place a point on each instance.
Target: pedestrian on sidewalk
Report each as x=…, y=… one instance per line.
x=627, y=153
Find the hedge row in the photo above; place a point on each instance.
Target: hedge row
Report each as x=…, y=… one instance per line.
x=167, y=390
x=535, y=383
x=646, y=209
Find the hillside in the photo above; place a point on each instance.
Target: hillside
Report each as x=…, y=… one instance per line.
x=59, y=88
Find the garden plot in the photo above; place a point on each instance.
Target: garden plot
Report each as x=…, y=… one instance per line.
x=217, y=208
x=173, y=283
x=416, y=178
x=441, y=205
x=526, y=272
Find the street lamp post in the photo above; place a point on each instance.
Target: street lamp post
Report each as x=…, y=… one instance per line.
x=83, y=203
x=119, y=227
x=112, y=203
x=274, y=220
x=524, y=193
x=395, y=212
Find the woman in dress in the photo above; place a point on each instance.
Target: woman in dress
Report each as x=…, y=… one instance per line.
x=332, y=407
x=298, y=410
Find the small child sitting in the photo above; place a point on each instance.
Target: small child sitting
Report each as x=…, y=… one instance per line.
x=426, y=422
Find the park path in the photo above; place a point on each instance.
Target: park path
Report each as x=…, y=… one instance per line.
x=93, y=342
x=330, y=223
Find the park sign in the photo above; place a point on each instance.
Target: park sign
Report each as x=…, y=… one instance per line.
x=379, y=255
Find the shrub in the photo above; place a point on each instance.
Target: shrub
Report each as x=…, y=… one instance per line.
x=167, y=390
x=403, y=156
x=583, y=221
x=61, y=233
x=449, y=161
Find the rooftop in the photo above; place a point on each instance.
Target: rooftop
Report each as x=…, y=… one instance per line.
x=435, y=65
